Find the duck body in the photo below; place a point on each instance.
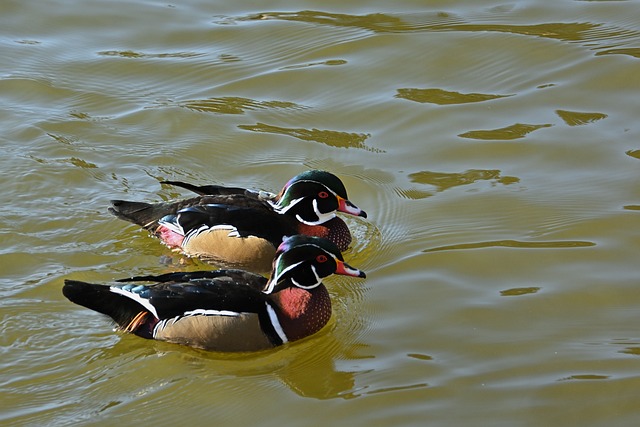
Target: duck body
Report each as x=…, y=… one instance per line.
x=225, y=310
x=241, y=228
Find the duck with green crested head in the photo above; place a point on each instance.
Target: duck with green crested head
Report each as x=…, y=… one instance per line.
x=241, y=228
x=226, y=310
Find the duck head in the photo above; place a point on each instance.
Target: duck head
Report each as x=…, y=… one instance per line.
x=303, y=261
x=314, y=197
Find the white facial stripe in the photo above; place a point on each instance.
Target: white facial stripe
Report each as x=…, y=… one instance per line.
x=274, y=280
x=315, y=182
x=318, y=280
x=322, y=217
x=137, y=298
x=282, y=209
x=323, y=250
x=276, y=323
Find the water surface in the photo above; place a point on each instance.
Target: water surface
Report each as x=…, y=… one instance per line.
x=494, y=146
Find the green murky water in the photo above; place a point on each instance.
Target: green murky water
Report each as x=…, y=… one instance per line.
x=495, y=146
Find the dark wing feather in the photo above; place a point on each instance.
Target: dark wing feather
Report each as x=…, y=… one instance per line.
x=173, y=299
x=147, y=215
x=170, y=299
x=263, y=223
x=217, y=190
x=231, y=276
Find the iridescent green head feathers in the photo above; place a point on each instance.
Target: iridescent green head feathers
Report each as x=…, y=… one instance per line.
x=314, y=197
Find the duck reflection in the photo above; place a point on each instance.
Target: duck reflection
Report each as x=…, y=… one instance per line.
x=308, y=368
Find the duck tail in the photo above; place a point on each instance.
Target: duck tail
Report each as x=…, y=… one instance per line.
x=144, y=214
x=127, y=313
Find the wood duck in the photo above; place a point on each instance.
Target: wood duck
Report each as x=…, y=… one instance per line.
x=241, y=228
x=226, y=310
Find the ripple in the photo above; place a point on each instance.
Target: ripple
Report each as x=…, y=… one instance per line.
x=444, y=97
x=330, y=63
x=443, y=181
x=136, y=55
x=634, y=351
x=419, y=356
x=515, y=244
x=574, y=118
x=375, y=22
x=397, y=388
x=331, y=138
x=412, y=193
x=589, y=34
x=634, y=153
x=515, y=131
x=631, y=51
x=519, y=291
x=236, y=105
x=29, y=42
x=367, y=240
x=586, y=33
x=585, y=377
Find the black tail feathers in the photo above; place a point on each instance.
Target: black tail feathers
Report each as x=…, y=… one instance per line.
x=144, y=214
x=99, y=298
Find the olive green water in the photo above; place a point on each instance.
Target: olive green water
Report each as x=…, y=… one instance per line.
x=495, y=146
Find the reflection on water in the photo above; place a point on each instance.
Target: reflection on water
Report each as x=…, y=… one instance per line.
x=585, y=377
x=515, y=131
x=444, y=97
x=590, y=34
x=519, y=291
x=574, y=118
x=487, y=302
x=513, y=244
x=377, y=22
x=445, y=181
x=137, y=55
x=634, y=153
x=331, y=138
x=308, y=369
x=236, y=105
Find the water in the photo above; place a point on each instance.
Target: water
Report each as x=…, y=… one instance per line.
x=494, y=146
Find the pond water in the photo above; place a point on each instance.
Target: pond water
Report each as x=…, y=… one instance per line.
x=494, y=145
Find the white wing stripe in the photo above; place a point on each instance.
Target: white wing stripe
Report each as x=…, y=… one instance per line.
x=205, y=312
x=137, y=298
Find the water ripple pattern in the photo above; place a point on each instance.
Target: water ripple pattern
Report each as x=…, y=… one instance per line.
x=493, y=145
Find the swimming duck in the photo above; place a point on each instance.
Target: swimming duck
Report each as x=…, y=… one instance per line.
x=226, y=310
x=241, y=228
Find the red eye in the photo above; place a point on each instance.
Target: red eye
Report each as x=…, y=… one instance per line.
x=321, y=258
x=323, y=194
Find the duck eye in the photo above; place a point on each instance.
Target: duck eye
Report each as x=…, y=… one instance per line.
x=323, y=194
x=321, y=258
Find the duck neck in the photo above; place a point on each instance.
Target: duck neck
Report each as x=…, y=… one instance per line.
x=334, y=230
x=303, y=312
